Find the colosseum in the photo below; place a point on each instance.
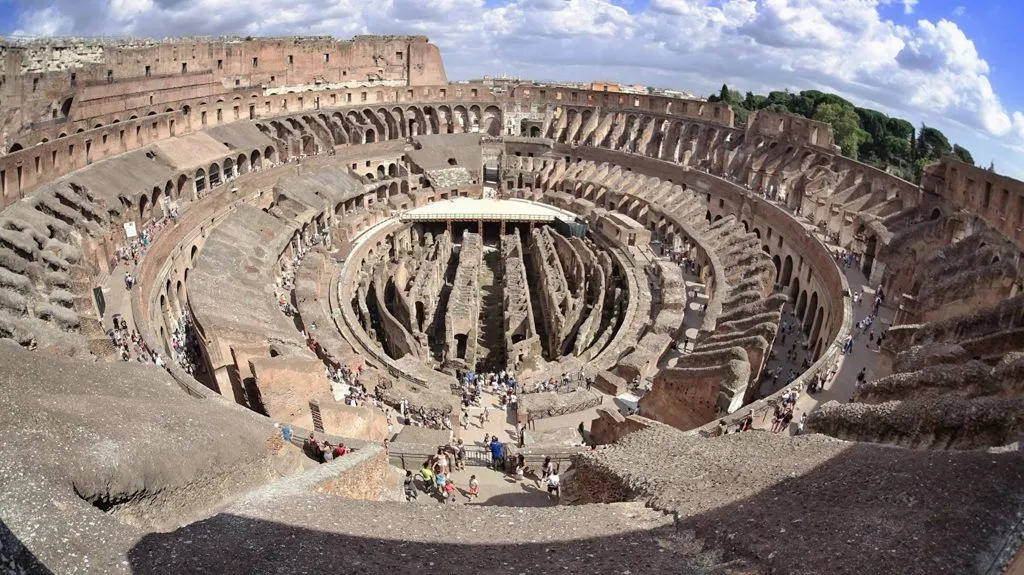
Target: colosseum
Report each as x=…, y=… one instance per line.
x=255, y=294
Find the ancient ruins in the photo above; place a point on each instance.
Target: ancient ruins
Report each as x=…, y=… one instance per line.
x=211, y=248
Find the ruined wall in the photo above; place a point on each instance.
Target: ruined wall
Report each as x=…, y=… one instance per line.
x=357, y=475
x=366, y=422
x=463, y=314
x=790, y=128
x=610, y=426
x=286, y=386
x=687, y=398
x=999, y=200
x=521, y=338
x=560, y=308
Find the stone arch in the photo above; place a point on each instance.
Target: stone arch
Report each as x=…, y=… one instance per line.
x=215, y=175
x=757, y=232
x=816, y=324
x=787, y=271
x=182, y=180
x=778, y=268
x=144, y=208
x=801, y=305
x=794, y=290
x=270, y=154
x=242, y=164
x=200, y=181
x=808, y=317
x=229, y=168
x=369, y=137
x=254, y=160
x=15, y=147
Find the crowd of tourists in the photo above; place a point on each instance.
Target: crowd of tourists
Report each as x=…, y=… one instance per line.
x=185, y=344
x=132, y=252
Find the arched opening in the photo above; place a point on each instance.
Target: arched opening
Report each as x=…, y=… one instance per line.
x=380, y=172
x=214, y=175
x=534, y=132
x=757, y=233
x=801, y=305
x=370, y=137
x=192, y=254
x=393, y=170
x=936, y=213
x=811, y=310
x=200, y=181
x=15, y=147
x=787, y=271
x=816, y=325
x=461, y=341
x=778, y=268
x=143, y=208
x=421, y=316
x=869, y=255
x=179, y=290
x=270, y=154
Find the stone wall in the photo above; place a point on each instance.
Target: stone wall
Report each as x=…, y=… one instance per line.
x=463, y=314
x=358, y=475
x=522, y=342
x=367, y=422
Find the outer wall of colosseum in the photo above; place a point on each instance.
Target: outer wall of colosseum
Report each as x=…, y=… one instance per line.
x=308, y=192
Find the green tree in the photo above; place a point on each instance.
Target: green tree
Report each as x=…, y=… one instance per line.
x=900, y=128
x=932, y=144
x=963, y=154
x=845, y=126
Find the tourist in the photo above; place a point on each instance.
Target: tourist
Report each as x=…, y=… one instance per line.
x=449, y=490
x=410, y=486
x=474, y=488
x=497, y=454
x=861, y=375
x=460, y=455
x=720, y=429
x=553, y=484
x=427, y=475
x=747, y=423
x=522, y=435
x=546, y=468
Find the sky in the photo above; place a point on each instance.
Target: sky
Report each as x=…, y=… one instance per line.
x=950, y=64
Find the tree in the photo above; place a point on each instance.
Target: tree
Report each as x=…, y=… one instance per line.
x=963, y=154
x=845, y=126
x=900, y=128
x=932, y=144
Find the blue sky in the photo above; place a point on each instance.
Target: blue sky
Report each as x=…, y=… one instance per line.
x=947, y=63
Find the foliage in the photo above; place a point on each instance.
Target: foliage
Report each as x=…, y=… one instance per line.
x=863, y=134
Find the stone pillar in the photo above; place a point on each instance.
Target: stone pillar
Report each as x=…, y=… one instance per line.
x=480, y=227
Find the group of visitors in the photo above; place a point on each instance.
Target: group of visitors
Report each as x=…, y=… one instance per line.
x=134, y=249
x=324, y=451
x=185, y=344
x=565, y=383
x=846, y=259
x=503, y=384
x=130, y=344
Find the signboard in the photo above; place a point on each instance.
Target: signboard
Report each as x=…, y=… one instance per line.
x=129, y=230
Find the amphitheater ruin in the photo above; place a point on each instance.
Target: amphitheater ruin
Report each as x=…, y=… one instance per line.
x=213, y=249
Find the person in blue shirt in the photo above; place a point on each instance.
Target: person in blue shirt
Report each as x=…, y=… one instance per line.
x=497, y=453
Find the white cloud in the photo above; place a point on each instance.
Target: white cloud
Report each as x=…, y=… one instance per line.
x=925, y=71
x=959, y=11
